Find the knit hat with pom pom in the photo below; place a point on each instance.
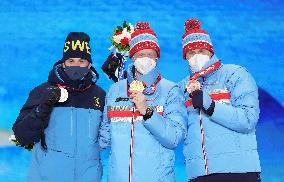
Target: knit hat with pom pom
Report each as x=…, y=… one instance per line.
x=143, y=37
x=195, y=38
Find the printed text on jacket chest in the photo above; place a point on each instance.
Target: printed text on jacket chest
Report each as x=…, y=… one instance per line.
x=127, y=113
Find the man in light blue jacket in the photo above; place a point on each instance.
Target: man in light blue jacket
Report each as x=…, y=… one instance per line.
x=223, y=110
x=144, y=117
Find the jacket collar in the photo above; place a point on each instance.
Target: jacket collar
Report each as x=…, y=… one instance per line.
x=212, y=61
x=57, y=76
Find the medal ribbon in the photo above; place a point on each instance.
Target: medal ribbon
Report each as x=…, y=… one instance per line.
x=78, y=90
x=153, y=86
x=207, y=70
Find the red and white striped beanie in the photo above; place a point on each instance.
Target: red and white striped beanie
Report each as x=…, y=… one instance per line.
x=143, y=37
x=195, y=38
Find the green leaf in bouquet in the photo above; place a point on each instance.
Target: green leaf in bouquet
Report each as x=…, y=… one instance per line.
x=124, y=24
x=119, y=28
x=111, y=39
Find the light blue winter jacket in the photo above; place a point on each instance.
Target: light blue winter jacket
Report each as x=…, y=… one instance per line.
x=154, y=139
x=73, y=152
x=230, y=139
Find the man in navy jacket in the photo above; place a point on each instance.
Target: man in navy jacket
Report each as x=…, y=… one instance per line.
x=61, y=118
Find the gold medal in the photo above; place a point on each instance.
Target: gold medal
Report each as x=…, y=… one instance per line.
x=192, y=85
x=136, y=86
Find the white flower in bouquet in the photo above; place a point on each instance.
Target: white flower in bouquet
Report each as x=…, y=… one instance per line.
x=126, y=34
x=131, y=28
x=117, y=38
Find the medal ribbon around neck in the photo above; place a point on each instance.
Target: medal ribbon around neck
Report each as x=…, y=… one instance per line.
x=207, y=70
x=153, y=86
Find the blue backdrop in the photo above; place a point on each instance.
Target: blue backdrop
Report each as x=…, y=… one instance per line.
x=248, y=33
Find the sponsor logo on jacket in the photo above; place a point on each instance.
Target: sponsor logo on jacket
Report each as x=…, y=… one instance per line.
x=127, y=113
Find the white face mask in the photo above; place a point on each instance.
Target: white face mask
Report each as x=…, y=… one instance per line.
x=197, y=62
x=144, y=65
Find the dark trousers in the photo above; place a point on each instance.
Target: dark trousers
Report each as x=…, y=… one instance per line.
x=229, y=177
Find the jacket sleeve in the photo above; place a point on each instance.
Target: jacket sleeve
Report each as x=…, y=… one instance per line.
x=104, y=132
x=170, y=128
x=28, y=126
x=243, y=113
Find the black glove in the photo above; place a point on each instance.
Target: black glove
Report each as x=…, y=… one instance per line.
x=51, y=96
x=197, y=102
x=112, y=64
x=197, y=99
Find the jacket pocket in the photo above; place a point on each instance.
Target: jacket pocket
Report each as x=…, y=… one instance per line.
x=60, y=135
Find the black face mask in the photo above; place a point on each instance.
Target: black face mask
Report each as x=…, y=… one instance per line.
x=76, y=72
